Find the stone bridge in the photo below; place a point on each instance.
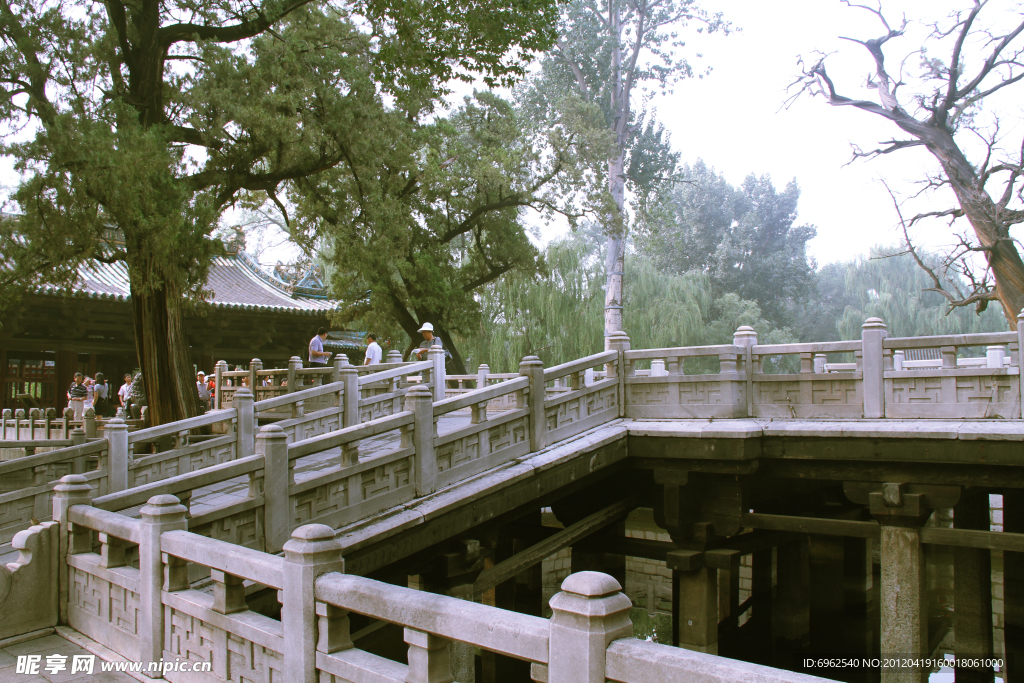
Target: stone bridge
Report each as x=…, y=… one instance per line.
x=840, y=507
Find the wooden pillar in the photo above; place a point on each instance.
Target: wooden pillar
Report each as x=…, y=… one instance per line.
x=762, y=587
x=66, y=367
x=791, y=612
x=858, y=572
x=1013, y=587
x=825, y=554
x=972, y=590
x=694, y=601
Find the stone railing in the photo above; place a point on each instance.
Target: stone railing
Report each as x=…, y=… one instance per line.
x=149, y=610
x=879, y=383
x=40, y=425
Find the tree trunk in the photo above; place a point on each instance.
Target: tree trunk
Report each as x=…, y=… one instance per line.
x=163, y=351
x=616, y=230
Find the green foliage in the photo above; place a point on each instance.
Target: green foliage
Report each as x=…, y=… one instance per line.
x=413, y=230
x=743, y=238
x=558, y=317
x=893, y=288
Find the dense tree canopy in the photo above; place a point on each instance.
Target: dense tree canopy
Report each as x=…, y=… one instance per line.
x=615, y=54
x=154, y=116
x=744, y=239
x=413, y=230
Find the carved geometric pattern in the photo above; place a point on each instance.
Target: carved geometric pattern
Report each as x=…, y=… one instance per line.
x=321, y=425
x=15, y=515
x=581, y=408
x=458, y=452
x=190, y=638
x=320, y=501
x=917, y=390
x=836, y=392
x=389, y=477
x=248, y=661
x=778, y=393
x=115, y=605
x=985, y=389
x=507, y=435
x=173, y=466
x=243, y=528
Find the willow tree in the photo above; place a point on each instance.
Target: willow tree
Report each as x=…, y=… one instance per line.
x=970, y=60
x=615, y=54
x=153, y=116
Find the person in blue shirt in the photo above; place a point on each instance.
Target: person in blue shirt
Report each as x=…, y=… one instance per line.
x=317, y=355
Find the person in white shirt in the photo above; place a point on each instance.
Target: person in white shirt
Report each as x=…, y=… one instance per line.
x=125, y=391
x=204, y=391
x=373, y=351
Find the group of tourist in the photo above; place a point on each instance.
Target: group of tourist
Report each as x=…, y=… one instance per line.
x=374, y=354
x=97, y=393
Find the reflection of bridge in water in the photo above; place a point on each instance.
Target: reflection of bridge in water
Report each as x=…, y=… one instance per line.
x=855, y=504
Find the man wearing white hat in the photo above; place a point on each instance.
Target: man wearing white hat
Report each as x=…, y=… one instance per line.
x=428, y=340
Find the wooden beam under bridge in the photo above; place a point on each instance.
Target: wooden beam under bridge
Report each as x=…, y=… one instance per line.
x=489, y=578
x=964, y=538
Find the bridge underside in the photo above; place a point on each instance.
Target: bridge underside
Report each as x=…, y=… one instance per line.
x=761, y=540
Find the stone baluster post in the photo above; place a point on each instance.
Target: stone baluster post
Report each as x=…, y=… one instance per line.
x=294, y=363
x=255, y=365
x=73, y=489
x=429, y=658
x=481, y=375
x=159, y=514
x=19, y=421
x=272, y=444
x=394, y=357
x=587, y=615
x=873, y=331
x=436, y=356
x=245, y=427
x=533, y=367
x=89, y=423
x=340, y=362
x=898, y=357
x=745, y=336
x=819, y=363
x=116, y=432
x=78, y=439
x=219, y=368
x=350, y=378
x=903, y=600
x=418, y=400
x=994, y=356
x=658, y=368
x=619, y=341
x=311, y=552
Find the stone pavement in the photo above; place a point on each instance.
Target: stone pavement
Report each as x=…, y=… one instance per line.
x=54, y=645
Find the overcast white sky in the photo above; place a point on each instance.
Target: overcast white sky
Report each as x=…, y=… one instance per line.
x=732, y=118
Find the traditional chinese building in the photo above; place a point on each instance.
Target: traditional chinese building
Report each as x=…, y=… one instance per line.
x=251, y=314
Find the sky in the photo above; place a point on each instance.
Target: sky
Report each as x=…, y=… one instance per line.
x=734, y=118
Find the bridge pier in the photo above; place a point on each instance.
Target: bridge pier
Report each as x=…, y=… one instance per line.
x=791, y=611
x=972, y=587
x=904, y=612
x=694, y=601
x=1013, y=587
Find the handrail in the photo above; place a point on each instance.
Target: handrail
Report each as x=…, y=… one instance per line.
x=229, y=558
x=977, y=339
x=518, y=635
x=111, y=523
x=809, y=347
x=581, y=364
x=322, y=442
x=286, y=399
x=475, y=396
x=138, y=495
x=60, y=455
x=407, y=369
x=683, y=352
x=213, y=417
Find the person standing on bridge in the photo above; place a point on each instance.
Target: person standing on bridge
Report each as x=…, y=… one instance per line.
x=317, y=355
x=373, y=351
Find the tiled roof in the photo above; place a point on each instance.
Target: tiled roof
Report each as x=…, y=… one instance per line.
x=237, y=283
